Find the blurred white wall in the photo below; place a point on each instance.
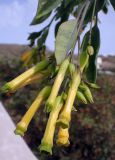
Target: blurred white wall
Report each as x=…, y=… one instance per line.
x=12, y=147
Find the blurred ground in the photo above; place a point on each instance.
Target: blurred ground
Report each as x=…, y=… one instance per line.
x=93, y=134
x=12, y=50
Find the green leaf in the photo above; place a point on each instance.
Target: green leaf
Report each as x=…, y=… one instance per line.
x=64, y=38
x=91, y=71
x=99, y=5
x=67, y=2
x=44, y=10
x=113, y=3
x=64, y=10
x=57, y=27
x=63, y=18
x=84, y=56
x=93, y=85
x=43, y=37
x=39, y=20
x=38, y=35
x=92, y=68
x=34, y=35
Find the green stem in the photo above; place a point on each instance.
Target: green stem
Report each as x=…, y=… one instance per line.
x=92, y=22
x=70, y=48
x=80, y=24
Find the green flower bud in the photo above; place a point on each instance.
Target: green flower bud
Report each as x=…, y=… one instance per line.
x=80, y=97
x=90, y=50
x=93, y=85
x=87, y=93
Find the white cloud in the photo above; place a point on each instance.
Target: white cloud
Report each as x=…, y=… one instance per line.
x=16, y=13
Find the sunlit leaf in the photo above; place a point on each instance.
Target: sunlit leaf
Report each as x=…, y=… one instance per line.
x=64, y=38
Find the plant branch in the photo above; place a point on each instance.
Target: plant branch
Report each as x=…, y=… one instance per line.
x=92, y=22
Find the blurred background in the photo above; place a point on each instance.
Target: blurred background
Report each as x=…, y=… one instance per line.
x=92, y=136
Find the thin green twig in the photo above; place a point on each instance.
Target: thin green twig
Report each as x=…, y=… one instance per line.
x=93, y=13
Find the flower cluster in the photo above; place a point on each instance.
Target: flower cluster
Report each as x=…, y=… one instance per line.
x=64, y=85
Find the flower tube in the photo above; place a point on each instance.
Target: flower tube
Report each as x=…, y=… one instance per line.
x=23, y=124
x=36, y=78
x=65, y=116
x=47, y=140
x=16, y=82
x=57, y=84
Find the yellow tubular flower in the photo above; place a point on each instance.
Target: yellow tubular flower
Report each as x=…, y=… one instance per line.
x=26, y=56
x=65, y=116
x=38, y=77
x=47, y=140
x=34, y=79
x=57, y=84
x=23, y=124
x=15, y=83
x=63, y=137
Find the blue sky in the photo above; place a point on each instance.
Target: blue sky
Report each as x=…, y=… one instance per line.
x=16, y=15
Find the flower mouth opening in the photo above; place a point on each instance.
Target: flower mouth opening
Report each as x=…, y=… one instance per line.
x=45, y=148
x=20, y=130
x=63, y=122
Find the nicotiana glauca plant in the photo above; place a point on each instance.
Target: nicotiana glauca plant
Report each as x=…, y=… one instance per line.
x=65, y=80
